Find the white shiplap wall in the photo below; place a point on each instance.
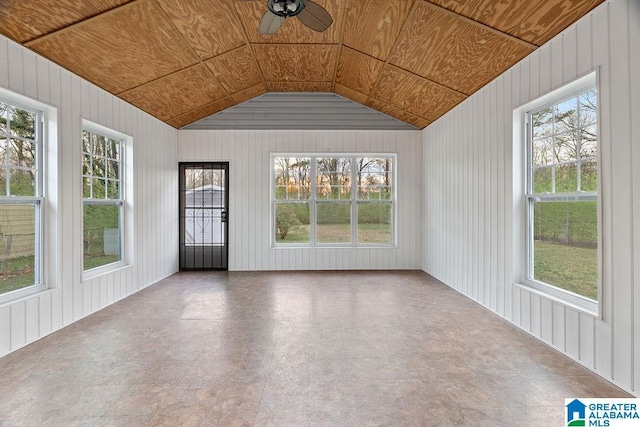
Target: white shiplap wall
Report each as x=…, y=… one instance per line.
x=469, y=196
x=248, y=154
x=154, y=199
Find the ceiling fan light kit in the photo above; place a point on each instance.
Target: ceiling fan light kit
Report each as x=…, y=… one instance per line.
x=285, y=8
x=308, y=12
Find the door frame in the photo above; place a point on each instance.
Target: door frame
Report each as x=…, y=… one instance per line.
x=214, y=165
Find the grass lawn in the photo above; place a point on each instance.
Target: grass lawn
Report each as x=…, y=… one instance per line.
x=18, y=274
x=367, y=233
x=93, y=261
x=572, y=268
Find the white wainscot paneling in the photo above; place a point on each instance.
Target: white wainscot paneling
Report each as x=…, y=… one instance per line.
x=154, y=249
x=473, y=145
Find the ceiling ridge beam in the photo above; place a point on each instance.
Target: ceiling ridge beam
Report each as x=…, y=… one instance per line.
x=295, y=44
x=345, y=15
x=81, y=23
x=481, y=25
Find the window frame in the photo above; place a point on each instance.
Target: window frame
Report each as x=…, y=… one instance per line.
x=121, y=201
x=313, y=201
x=571, y=90
x=37, y=200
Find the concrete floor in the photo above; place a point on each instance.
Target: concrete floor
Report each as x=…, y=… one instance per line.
x=319, y=348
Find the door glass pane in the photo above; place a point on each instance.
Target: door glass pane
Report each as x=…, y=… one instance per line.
x=374, y=223
x=565, y=245
x=292, y=223
x=333, y=222
x=17, y=246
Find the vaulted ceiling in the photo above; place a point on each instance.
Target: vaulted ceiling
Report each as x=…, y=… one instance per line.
x=182, y=60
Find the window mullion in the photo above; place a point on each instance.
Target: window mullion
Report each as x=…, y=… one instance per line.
x=354, y=202
x=312, y=200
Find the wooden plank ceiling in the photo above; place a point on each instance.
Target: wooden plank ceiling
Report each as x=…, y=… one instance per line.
x=182, y=60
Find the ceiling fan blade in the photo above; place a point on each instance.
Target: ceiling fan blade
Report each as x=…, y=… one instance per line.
x=315, y=16
x=270, y=23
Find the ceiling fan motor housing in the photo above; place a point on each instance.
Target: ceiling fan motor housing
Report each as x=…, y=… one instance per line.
x=285, y=8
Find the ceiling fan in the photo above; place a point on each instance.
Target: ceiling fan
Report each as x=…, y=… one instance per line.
x=308, y=12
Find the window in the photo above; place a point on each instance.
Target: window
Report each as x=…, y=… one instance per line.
x=21, y=197
x=562, y=196
x=333, y=200
x=103, y=198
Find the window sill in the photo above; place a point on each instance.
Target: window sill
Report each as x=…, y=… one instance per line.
x=17, y=296
x=586, y=307
x=105, y=269
x=333, y=246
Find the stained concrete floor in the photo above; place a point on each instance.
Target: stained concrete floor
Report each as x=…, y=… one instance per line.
x=292, y=349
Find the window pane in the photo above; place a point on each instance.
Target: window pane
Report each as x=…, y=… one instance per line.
x=374, y=223
x=543, y=180
x=86, y=142
x=566, y=147
x=99, y=187
x=566, y=246
x=22, y=153
x=543, y=152
x=542, y=123
x=17, y=246
x=113, y=189
x=86, y=164
x=333, y=178
x=566, y=115
x=22, y=123
x=101, y=231
x=3, y=147
x=588, y=143
x=566, y=178
x=22, y=182
x=292, y=178
x=588, y=108
x=98, y=167
x=86, y=187
x=98, y=142
x=589, y=176
x=113, y=170
x=292, y=223
x=374, y=178
x=113, y=149
x=333, y=222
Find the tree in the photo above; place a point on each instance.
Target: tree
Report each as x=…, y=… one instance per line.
x=286, y=218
